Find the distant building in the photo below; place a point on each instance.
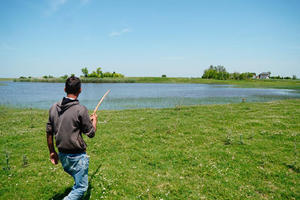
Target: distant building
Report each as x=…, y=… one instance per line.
x=264, y=75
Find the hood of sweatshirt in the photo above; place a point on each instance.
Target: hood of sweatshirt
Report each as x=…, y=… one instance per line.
x=65, y=104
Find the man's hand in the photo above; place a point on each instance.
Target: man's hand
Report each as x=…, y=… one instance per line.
x=53, y=154
x=54, y=158
x=93, y=118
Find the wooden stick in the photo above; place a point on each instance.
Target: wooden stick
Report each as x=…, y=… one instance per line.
x=95, y=110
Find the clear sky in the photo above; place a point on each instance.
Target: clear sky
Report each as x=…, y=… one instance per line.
x=149, y=37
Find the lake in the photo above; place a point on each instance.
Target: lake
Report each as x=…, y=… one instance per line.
x=136, y=95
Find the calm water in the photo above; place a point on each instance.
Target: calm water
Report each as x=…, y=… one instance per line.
x=135, y=95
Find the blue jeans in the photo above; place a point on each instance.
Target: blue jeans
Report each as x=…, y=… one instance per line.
x=77, y=165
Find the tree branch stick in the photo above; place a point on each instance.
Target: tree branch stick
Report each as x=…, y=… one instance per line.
x=95, y=110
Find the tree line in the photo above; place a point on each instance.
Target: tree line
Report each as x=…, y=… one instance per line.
x=99, y=74
x=294, y=77
x=219, y=73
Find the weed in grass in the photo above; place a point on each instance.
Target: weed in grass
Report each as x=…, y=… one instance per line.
x=251, y=136
x=31, y=119
x=263, y=159
x=241, y=139
x=7, y=167
x=178, y=107
x=25, y=161
x=295, y=147
x=228, y=139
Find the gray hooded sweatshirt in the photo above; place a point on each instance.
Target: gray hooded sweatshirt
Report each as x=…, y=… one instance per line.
x=67, y=121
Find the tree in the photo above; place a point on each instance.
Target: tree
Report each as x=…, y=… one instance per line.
x=117, y=75
x=210, y=73
x=107, y=74
x=294, y=77
x=252, y=75
x=243, y=76
x=99, y=72
x=64, y=76
x=47, y=76
x=220, y=68
x=216, y=72
x=235, y=76
x=93, y=74
x=85, y=72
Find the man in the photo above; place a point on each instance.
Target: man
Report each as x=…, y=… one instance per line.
x=67, y=121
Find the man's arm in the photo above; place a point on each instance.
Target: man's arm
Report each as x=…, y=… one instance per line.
x=53, y=154
x=88, y=123
x=49, y=131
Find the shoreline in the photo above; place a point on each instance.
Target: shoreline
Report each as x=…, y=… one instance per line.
x=177, y=107
x=252, y=83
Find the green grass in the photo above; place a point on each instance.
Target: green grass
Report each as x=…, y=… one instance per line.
x=6, y=79
x=280, y=84
x=233, y=151
x=84, y=80
x=267, y=83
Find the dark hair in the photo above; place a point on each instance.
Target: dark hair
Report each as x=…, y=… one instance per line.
x=73, y=85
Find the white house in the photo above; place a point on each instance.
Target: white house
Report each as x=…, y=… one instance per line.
x=264, y=75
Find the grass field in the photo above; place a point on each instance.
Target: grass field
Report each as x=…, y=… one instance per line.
x=280, y=84
x=233, y=151
x=6, y=79
x=254, y=83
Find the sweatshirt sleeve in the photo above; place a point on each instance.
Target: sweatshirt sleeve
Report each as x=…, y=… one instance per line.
x=86, y=123
x=49, y=125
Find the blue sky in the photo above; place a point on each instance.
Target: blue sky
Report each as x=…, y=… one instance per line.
x=149, y=38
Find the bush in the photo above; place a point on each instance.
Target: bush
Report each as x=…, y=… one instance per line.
x=93, y=75
x=64, y=76
x=164, y=76
x=276, y=77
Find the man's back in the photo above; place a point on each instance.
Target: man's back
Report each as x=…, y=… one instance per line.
x=68, y=120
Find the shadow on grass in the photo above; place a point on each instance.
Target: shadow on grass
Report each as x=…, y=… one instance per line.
x=87, y=195
x=61, y=195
